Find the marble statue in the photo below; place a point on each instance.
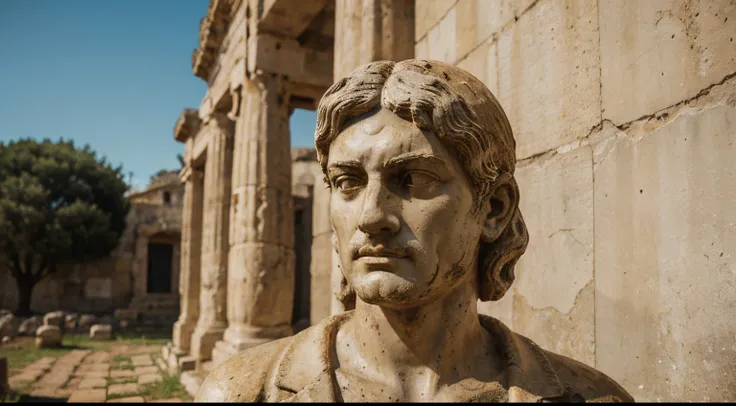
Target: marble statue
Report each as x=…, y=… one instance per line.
x=420, y=158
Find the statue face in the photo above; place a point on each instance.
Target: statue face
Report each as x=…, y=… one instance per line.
x=401, y=208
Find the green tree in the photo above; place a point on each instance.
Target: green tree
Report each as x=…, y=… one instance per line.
x=57, y=203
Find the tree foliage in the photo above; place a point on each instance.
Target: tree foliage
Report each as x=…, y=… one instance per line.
x=57, y=203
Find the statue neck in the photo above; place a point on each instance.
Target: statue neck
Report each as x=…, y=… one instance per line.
x=443, y=341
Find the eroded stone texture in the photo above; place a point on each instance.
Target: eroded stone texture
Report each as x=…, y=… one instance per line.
x=665, y=230
x=561, y=37
x=558, y=193
x=189, y=281
x=48, y=336
x=372, y=30
x=657, y=53
x=213, y=293
x=261, y=252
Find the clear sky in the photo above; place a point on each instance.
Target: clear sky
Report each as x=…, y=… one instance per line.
x=114, y=74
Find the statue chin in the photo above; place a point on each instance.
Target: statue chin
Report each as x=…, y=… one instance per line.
x=386, y=290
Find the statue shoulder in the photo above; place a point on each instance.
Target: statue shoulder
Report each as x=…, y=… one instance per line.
x=242, y=378
x=583, y=381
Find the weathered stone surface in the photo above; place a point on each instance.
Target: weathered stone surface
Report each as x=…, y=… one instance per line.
x=94, y=367
x=477, y=20
x=428, y=14
x=100, y=332
x=141, y=360
x=665, y=223
x=122, y=389
x=442, y=39
x=87, y=395
x=191, y=255
x=558, y=264
x=129, y=399
x=216, y=216
x=7, y=339
x=9, y=325
x=556, y=99
x=146, y=379
x=122, y=373
x=29, y=326
x=48, y=336
x=54, y=319
x=151, y=369
x=657, y=53
x=99, y=357
x=91, y=383
x=370, y=31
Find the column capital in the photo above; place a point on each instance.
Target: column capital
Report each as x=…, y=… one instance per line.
x=220, y=120
x=189, y=173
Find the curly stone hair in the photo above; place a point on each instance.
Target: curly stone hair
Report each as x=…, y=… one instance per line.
x=466, y=118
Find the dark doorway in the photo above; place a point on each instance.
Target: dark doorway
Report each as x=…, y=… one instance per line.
x=303, y=253
x=159, y=267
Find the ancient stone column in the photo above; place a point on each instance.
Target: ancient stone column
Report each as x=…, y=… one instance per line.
x=261, y=260
x=217, y=180
x=190, y=260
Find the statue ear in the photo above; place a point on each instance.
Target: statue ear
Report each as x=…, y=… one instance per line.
x=504, y=200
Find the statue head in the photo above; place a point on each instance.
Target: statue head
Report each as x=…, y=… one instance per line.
x=420, y=158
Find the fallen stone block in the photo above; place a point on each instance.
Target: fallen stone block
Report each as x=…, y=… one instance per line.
x=54, y=319
x=29, y=326
x=48, y=336
x=9, y=325
x=100, y=332
x=7, y=339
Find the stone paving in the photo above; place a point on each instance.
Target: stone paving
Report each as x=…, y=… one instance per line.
x=91, y=376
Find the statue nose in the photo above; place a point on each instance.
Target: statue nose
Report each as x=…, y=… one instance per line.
x=378, y=211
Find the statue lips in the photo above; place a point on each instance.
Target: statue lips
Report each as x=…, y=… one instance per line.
x=379, y=255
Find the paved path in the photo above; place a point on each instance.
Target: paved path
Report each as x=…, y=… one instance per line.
x=118, y=376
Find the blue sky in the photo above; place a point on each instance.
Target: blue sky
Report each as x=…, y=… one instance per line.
x=114, y=74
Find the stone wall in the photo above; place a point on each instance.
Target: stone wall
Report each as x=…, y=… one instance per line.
x=107, y=284
x=624, y=115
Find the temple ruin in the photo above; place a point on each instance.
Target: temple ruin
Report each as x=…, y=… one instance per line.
x=623, y=116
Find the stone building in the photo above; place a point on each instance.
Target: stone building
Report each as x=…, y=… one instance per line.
x=141, y=274
x=624, y=118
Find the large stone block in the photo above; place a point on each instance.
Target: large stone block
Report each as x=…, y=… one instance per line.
x=48, y=336
x=665, y=221
x=657, y=53
x=552, y=276
x=427, y=14
x=481, y=62
x=441, y=39
x=549, y=75
x=477, y=20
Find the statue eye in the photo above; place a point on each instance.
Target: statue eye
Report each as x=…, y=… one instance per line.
x=347, y=183
x=418, y=179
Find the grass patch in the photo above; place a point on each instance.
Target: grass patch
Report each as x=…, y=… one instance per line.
x=121, y=359
x=122, y=395
x=168, y=387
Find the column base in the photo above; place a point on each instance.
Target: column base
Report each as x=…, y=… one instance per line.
x=182, y=334
x=239, y=338
x=177, y=360
x=203, y=342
